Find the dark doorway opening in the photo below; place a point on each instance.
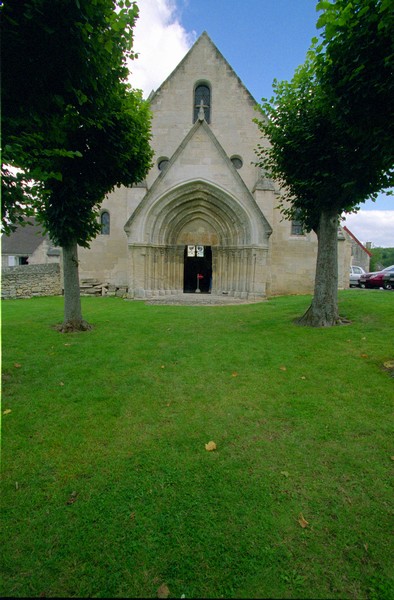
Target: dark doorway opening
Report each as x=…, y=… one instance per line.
x=197, y=265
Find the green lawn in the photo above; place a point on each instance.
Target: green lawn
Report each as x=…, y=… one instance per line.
x=108, y=490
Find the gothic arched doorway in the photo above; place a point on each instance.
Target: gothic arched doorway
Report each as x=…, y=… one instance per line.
x=233, y=235
x=197, y=271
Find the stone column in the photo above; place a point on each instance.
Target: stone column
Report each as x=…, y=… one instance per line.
x=215, y=267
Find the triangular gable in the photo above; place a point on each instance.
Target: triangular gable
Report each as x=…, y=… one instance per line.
x=204, y=38
x=200, y=157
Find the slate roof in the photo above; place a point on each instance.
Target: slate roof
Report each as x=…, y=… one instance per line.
x=24, y=240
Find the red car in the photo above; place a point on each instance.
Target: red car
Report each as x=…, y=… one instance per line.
x=376, y=279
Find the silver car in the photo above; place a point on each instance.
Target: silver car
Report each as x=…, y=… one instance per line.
x=354, y=276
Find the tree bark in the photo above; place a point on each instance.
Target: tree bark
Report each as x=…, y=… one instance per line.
x=73, y=320
x=323, y=312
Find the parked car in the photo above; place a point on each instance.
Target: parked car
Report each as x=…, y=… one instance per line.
x=377, y=279
x=388, y=280
x=355, y=274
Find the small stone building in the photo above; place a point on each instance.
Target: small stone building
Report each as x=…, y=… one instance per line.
x=30, y=263
x=28, y=245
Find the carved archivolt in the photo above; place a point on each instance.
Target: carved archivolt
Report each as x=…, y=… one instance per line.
x=200, y=209
x=198, y=212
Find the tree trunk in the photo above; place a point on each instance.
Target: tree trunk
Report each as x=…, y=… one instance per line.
x=323, y=312
x=73, y=320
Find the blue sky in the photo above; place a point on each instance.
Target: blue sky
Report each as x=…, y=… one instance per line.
x=262, y=40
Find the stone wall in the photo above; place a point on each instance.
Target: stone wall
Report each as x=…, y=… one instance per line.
x=360, y=257
x=26, y=281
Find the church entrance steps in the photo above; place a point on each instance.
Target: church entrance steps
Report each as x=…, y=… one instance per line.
x=200, y=300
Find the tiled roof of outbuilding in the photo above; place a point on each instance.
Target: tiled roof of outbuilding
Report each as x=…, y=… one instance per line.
x=357, y=241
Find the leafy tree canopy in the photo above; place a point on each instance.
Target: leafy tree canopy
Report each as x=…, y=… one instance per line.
x=328, y=133
x=331, y=127
x=358, y=66
x=69, y=119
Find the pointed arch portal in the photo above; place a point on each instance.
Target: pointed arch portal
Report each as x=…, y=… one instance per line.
x=234, y=241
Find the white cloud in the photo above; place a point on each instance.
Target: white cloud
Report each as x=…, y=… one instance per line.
x=376, y=226
x=161, y=42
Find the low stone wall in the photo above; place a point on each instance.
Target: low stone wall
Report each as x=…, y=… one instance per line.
x=26, y=281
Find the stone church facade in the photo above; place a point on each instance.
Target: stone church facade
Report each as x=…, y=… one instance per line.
x=205, y=219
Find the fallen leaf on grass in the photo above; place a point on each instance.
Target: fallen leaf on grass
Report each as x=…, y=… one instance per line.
x=283, y=368
x=303, y=377
x=163, y=591
x=210, y=446
x=72, y=498
x=303, y=522
x=7, y=411
x=234, y=374
x=389, y=364
x=17, y=365
x=364, y=355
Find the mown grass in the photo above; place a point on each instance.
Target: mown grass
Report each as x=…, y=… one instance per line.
x=108, y=490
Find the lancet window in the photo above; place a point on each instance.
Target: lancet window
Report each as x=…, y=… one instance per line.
x=202, y=99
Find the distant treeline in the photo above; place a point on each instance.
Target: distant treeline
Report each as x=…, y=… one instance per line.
x=381, y=258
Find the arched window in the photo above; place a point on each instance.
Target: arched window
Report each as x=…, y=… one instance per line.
x=105, y=222
x=202, y=98
x=297, y=227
